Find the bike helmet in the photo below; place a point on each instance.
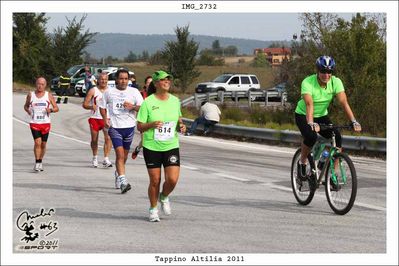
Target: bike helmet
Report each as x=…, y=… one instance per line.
x=325, y=62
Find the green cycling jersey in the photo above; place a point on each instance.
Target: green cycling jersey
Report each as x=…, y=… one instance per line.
x=322, y=97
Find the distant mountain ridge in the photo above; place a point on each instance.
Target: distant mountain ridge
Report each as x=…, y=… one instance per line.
x=119, y=44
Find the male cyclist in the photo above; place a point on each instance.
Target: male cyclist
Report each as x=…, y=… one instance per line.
x=317, y=92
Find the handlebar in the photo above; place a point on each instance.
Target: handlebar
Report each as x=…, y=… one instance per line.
x=332, y=126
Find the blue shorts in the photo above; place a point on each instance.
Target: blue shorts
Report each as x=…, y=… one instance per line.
x=121, y=137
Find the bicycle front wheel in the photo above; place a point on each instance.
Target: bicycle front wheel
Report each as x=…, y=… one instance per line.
x=303, y=191
x=341, y=184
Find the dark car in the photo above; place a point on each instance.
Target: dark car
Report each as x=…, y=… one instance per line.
x=277, y=93
x=75, y=73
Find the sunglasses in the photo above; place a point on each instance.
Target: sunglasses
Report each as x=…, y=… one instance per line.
x=325, y=71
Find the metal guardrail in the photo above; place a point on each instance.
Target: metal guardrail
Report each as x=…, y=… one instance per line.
x=287, y=136
x=236, y=95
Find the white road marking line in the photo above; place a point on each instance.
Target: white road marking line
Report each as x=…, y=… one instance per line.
x=231, y=177
x=57, y=134
x=369, y=206
x=189, y=167
x=200, y=140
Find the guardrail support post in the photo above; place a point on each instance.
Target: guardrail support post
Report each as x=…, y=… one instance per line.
x=221, y=96
x=208, y=98
x=236, y=97
x=266, y=99
x=249, y=99
x=196, y=101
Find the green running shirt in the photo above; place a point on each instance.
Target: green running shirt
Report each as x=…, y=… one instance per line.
x=169, y=112
x=321, y=97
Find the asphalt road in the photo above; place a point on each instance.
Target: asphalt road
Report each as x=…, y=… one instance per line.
x=232, y=197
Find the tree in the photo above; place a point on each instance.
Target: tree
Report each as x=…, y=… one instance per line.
x=87, y=58
x=145, y=56
x=317, y=25
x=364, y=55
x=216, y=45
x=260, y=60
x=216, y=48
x=30, y=46
x=131, y=57
x=277, y=44
x=180, y=58
x=230, y=50
x=208, y=59
x=68, y=44
x=157, y=59
x=110, y=60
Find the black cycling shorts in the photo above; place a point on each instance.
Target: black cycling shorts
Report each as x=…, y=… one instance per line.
x=155, y=159
x=310, y=136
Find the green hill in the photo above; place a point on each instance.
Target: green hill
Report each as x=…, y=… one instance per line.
x=119, y=44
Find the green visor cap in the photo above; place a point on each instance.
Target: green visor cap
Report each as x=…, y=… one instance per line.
x=158, y=75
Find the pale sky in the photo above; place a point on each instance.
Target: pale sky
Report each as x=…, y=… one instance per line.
x=257, y=26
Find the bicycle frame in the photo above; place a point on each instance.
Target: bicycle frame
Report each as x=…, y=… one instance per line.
x=316, y=151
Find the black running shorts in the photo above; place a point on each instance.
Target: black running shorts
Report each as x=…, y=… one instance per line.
x=155, y=159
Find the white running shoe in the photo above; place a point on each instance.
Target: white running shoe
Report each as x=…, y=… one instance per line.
x=41, y=167
x=95, y=162
x=125, y=186
x=165, y=206
x=107, y=163
x=117, y=183
x=154, y=217
x=37, y=167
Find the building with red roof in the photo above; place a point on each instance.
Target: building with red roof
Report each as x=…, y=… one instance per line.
x=275, y=55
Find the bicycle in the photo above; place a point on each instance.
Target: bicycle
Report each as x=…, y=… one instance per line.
x=339, y=172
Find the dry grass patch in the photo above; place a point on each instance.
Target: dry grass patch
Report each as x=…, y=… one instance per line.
x=22, y=87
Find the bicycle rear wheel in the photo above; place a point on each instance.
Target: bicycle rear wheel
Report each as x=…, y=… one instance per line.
x=303, y=192
x=341, y=191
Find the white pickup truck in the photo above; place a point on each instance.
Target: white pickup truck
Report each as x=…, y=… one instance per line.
x=230, y=82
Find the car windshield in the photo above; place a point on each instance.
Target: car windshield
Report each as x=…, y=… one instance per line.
x=72, y=70
x=222, y=79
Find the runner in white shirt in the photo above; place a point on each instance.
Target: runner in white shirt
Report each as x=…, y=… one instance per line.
x=93, y=99
x=37, y=105
x=122, y=102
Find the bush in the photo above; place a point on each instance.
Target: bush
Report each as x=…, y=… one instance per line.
x=208, y=59
x=261, y=116
x=235, y=114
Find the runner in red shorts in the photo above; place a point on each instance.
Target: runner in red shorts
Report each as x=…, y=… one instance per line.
x=37, y=105
x=93, y=98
